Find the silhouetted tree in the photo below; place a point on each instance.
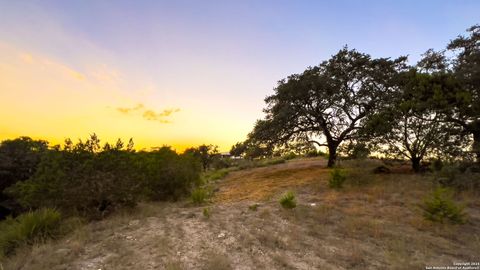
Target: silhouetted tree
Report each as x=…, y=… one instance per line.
x=205, y=153
x=408, y=125
x=329, y=101
x=19, y=159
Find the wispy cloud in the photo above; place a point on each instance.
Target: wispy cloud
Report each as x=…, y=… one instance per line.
x=149, y=114
x=126, y=110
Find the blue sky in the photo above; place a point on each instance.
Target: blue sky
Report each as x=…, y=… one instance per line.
x=215, y=61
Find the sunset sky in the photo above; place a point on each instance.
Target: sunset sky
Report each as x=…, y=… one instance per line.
x=184, y=73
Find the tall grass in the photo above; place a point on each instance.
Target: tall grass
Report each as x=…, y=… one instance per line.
x=288, y=200
x=28, y=228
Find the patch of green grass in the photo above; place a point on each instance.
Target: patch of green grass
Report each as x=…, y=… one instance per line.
x=206, y=212
x=199, y=196
x=337, y=178
x=215, y=175
x=288, y=200
x=28, y=228
x=440, y=207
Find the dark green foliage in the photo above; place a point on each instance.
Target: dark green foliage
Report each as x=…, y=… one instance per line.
x=437, y=165
x=28, y=228
x=357, y=150
x=19, y=159
x=440, y=207
x=288, y=200
x=205, y=153
x=84, y=179
x=337, y=178
x=238, y=149
x=167, y=175
x=221, y=163
x=409, y=126
x=330, y=101
x=459, y=176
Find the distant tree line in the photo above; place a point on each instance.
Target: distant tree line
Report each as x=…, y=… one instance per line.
x=90, y=179
x=431, y=109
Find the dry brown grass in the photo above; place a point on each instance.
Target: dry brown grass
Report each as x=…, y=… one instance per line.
x=375, y=224
x=261, y=184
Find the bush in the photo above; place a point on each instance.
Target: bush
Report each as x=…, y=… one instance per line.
x=288, y=200
x=337, y=178
x=90, y=182
x=437, y=165
x=440, y=207
x=221, y=163
x=459, y=177
x=199, y=196
x=28, y=228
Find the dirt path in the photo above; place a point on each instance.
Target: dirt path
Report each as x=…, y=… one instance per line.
x=372, y=227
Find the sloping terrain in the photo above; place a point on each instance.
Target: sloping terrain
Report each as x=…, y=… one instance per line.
x=373, y=223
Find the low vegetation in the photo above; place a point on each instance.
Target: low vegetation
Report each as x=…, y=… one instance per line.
x=28, y=228
x=288, y=200
x=199, y=196
x=337, y=178
x=440, y=207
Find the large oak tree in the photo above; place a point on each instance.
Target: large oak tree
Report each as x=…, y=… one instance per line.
x=327, y=104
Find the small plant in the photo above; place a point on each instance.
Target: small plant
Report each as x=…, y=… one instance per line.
x=440, y=207
x=253, y=207
x=207, y=212
x=27, y=228
x=337, y=178
x=288, y=200
x=199, y=196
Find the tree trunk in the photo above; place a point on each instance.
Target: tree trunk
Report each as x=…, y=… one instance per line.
x=332, y=154
x=415, y=164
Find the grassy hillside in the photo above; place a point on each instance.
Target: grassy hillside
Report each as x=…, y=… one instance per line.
x=375, y=221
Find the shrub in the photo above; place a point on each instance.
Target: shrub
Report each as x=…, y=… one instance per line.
x=288, y=200
x=221, y=163
x=437, y=165
x=28, y=228
x=199, y=196
x=460, y=177
x=337, y=178
x=85, y=180
x=206, y=212
x=440, y=207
